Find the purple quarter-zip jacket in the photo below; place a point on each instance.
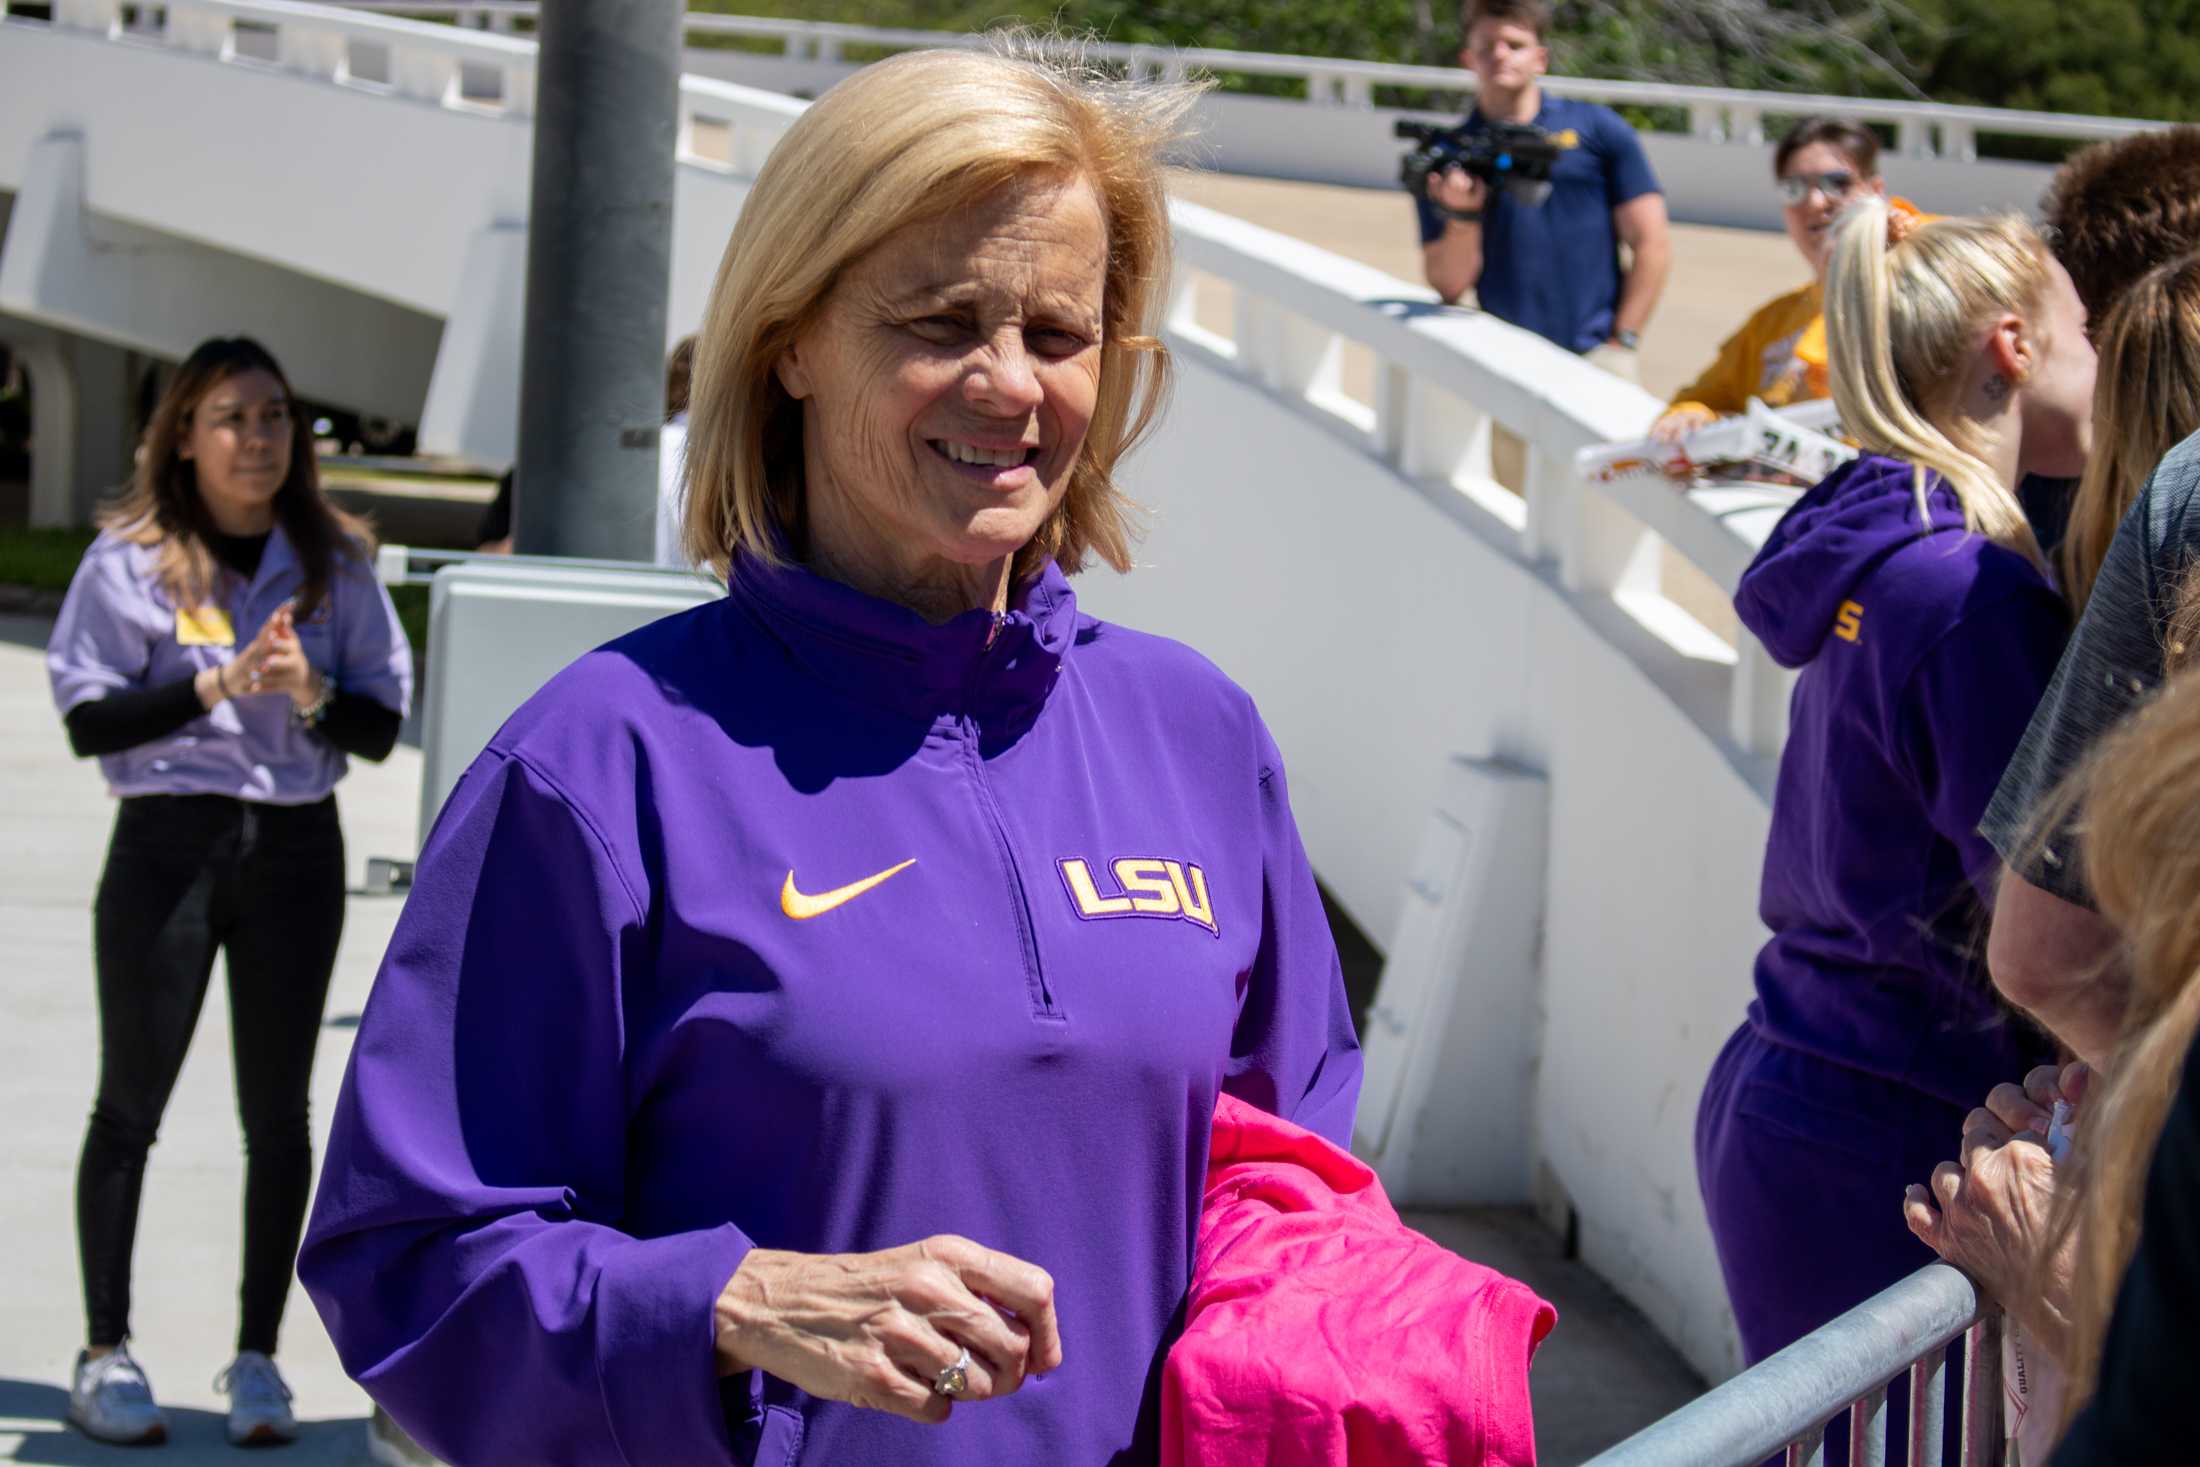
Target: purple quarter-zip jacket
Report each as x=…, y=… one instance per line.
x=650, y=1005
x=1923, y=648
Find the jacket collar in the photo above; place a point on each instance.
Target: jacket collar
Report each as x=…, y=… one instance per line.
x=280, y=558
x=994, y=669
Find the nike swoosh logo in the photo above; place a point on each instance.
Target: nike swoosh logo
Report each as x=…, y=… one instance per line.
x=803, y=908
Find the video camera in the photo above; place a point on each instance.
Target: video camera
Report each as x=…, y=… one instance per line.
x=1514, y=156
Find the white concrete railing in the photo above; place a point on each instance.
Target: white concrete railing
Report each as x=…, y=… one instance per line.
x=464, y=70
x=1716, y=169
x=114, y=240
x=1922, y=129
x=413, y=59
x=1441, y=381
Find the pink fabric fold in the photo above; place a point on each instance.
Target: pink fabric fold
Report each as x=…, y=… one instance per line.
x=1322, y=1331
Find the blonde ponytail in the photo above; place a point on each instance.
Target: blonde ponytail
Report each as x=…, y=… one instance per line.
x=1903, y=312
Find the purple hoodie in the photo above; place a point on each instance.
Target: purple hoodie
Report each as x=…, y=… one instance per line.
x=632, y=1023
x=1923, y=649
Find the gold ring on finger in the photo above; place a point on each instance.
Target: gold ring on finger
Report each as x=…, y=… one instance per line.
x=954, y=1381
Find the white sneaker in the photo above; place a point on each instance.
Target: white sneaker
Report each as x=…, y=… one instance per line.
x=111, y=1401
x=259, y=1402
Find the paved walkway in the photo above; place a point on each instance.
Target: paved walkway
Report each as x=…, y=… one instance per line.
x=1601, y=1376
x=52, y=841
x=1719, y=275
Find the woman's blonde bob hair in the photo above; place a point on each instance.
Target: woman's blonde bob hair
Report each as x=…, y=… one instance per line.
x=1903, y=318
x=905, y=141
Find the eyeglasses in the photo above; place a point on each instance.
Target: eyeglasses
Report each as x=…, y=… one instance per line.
x=1796, y=187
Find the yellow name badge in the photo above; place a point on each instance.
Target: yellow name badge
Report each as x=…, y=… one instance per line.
x=207, y=626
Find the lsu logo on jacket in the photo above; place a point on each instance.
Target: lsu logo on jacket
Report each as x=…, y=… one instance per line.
x=1138, y=886
x=1848, y=625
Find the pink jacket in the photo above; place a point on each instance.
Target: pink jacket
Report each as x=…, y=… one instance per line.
x=1323, y=1331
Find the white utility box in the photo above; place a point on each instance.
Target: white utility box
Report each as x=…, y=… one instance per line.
x=501, y=628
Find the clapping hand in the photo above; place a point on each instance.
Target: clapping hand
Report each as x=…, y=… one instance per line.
x=275, y=662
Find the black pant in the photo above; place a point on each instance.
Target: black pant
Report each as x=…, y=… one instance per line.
x=185, y=875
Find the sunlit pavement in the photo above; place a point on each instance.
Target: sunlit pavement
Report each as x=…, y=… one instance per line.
x=1719, y=275
x=52, y=840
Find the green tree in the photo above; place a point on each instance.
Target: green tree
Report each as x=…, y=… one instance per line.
x=2114, y=58
x=1847, y=47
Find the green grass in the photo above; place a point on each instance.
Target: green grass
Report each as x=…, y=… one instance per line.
x=44, y=560
x=412, y=613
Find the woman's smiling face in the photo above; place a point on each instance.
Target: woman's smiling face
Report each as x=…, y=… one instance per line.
x=1810, y=218
x=946, y=387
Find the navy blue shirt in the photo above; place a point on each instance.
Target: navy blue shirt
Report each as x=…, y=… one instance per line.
x=1554, y=269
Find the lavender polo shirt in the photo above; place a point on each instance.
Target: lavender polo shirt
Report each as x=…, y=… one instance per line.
x=119, y=631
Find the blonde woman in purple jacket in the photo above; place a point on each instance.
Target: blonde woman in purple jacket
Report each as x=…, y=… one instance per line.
x=1908, y=591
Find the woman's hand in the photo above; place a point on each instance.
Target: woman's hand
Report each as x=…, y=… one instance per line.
x=1992, y=1219
x=876, y=1329
x=1681, y=422
x=2031, y=1106
x=212, y=685
x=276, y=661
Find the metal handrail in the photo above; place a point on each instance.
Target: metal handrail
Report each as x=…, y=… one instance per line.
x=1786, y=1402
x=416, y=565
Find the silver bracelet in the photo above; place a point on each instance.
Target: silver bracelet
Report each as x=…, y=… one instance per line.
x=310, y=715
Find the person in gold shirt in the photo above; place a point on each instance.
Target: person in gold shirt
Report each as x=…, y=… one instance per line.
x=1779, y=355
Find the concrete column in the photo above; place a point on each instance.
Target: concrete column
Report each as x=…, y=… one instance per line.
x=104, y=431
x=81, y=423
x=473, y=405
x=1452, y=1038
x=599, y=252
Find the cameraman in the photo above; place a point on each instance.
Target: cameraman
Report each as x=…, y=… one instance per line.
x=1553, y=269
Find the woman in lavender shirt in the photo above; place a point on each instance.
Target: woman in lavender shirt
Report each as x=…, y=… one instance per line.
x=223, y=648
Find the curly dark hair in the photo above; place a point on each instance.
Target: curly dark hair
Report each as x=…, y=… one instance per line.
x=2117, y=209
